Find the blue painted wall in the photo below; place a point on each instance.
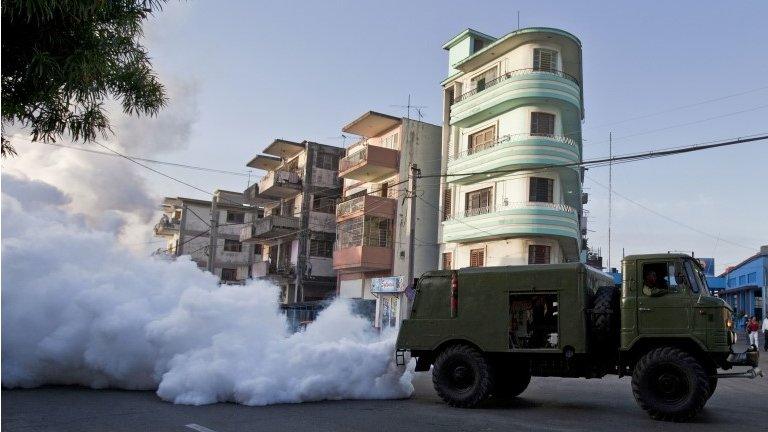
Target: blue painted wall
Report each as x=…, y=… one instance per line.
x=745, y=286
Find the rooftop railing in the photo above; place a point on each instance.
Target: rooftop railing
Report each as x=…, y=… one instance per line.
x=509, y=139
x=507, y=75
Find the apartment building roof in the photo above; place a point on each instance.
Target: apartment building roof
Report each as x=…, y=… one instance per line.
x=371, y=124
x=459, y=37
x=264, y=162
x=284, y=149
x=509, y=42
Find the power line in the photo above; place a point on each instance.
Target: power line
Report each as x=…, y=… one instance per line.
x=644, y=116
x=154, y=161
x=618, y=159
x=675, y=221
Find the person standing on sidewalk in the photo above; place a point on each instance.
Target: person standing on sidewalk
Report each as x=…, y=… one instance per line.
x=752, y=328
x=765, y=333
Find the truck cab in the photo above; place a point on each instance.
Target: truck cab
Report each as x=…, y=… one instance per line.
x=486, y=331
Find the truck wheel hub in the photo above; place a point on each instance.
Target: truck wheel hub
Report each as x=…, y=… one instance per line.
x=670, y=386
x=461, y=376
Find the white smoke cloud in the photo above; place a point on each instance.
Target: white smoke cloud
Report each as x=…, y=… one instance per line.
x=109, y=191
x=78, y=309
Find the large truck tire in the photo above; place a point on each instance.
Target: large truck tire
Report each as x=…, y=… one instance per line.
x=462, y=376
x=509, y=382
x=605, y=319
x=670, y=384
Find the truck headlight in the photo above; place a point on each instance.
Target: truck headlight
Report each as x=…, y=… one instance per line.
x=729, y=324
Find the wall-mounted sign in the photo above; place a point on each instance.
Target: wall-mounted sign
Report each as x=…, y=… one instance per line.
x=392, y=284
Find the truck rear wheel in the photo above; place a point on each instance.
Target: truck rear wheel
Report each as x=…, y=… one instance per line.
x=462, y=376
x=670, y=384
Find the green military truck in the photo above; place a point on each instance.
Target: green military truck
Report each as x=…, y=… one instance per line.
x=486, y=331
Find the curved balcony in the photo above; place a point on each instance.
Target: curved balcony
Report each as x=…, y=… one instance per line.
x=510, y=152
x=513, y=89
x=522, y=219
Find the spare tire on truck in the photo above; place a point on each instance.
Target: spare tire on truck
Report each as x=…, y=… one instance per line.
x=605, y=317
x=462, y=376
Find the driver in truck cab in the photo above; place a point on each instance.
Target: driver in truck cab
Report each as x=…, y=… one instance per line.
x=651, y=286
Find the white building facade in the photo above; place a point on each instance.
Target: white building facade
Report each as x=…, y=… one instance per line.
x=513, y=108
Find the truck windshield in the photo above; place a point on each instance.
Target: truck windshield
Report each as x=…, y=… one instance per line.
x=698, y=280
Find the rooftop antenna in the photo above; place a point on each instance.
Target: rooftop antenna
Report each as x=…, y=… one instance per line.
x=409, y=106
x=518, y=20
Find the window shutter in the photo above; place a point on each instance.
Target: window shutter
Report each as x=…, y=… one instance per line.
x=542, y=124
x=544, y=59
x=447, y=261
x=447, y=204
x=541, y=190
x=538, y=254
x=476, y=257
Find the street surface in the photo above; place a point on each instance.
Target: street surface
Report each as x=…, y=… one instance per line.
x=549, y=404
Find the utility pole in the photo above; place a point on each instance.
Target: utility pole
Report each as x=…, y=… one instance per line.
x=610, y=193
x=412, y=222
x=214, y=231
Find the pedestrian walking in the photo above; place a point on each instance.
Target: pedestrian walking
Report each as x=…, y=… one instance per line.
x=765, y=333
x=752, y=327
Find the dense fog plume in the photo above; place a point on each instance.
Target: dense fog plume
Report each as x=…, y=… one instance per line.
x=78, y=309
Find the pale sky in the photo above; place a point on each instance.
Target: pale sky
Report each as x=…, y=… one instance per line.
x=301, y=70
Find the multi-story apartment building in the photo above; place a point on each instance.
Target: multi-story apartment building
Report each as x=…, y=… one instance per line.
x=512, y=105
x=186, y=225
x=371, y=252
x=298, y=194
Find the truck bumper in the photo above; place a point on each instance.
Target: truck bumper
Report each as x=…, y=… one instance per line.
x=747, y=358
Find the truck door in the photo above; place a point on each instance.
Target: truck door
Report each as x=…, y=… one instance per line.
x=663, y=301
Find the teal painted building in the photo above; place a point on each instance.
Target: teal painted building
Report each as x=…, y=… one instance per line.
x=513, y=108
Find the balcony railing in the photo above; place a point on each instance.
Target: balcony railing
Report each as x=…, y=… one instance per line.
x=351, y=206
x=280, y=178
x=166, y=226
x=514, y=73
x=509, y=139
x=268, y=227
x=477, y=211
x=354, y=159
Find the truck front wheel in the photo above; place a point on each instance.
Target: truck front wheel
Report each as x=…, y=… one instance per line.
x=462, y=376
x=670, y=384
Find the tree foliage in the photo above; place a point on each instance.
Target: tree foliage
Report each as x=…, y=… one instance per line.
x=62, y=59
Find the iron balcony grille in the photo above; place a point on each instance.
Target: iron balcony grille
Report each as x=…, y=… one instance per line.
x=509, y=139
x=354, y=159
x=350, y=206
x=477, y=211
x=514, y=73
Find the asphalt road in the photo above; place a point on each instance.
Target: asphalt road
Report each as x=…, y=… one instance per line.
x=550, y=404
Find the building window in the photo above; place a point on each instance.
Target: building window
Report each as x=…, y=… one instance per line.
x=447, y=203
x=545, y=59
x=258, y=249
x=447, y=261
x=481, y=140
x=478, y=202
x=390, y=141
x=542, y=124
x=229, y=274
x=539, y=254
x=752, y=278
x=364, y=231
x=321, y=244
x=235, y=217
x=541, y=190
x=476, y=257
x=323, y=204
x=232, y=246
x=742, y=280
x=479, y=44
x=327, y=161
x=481, y=81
